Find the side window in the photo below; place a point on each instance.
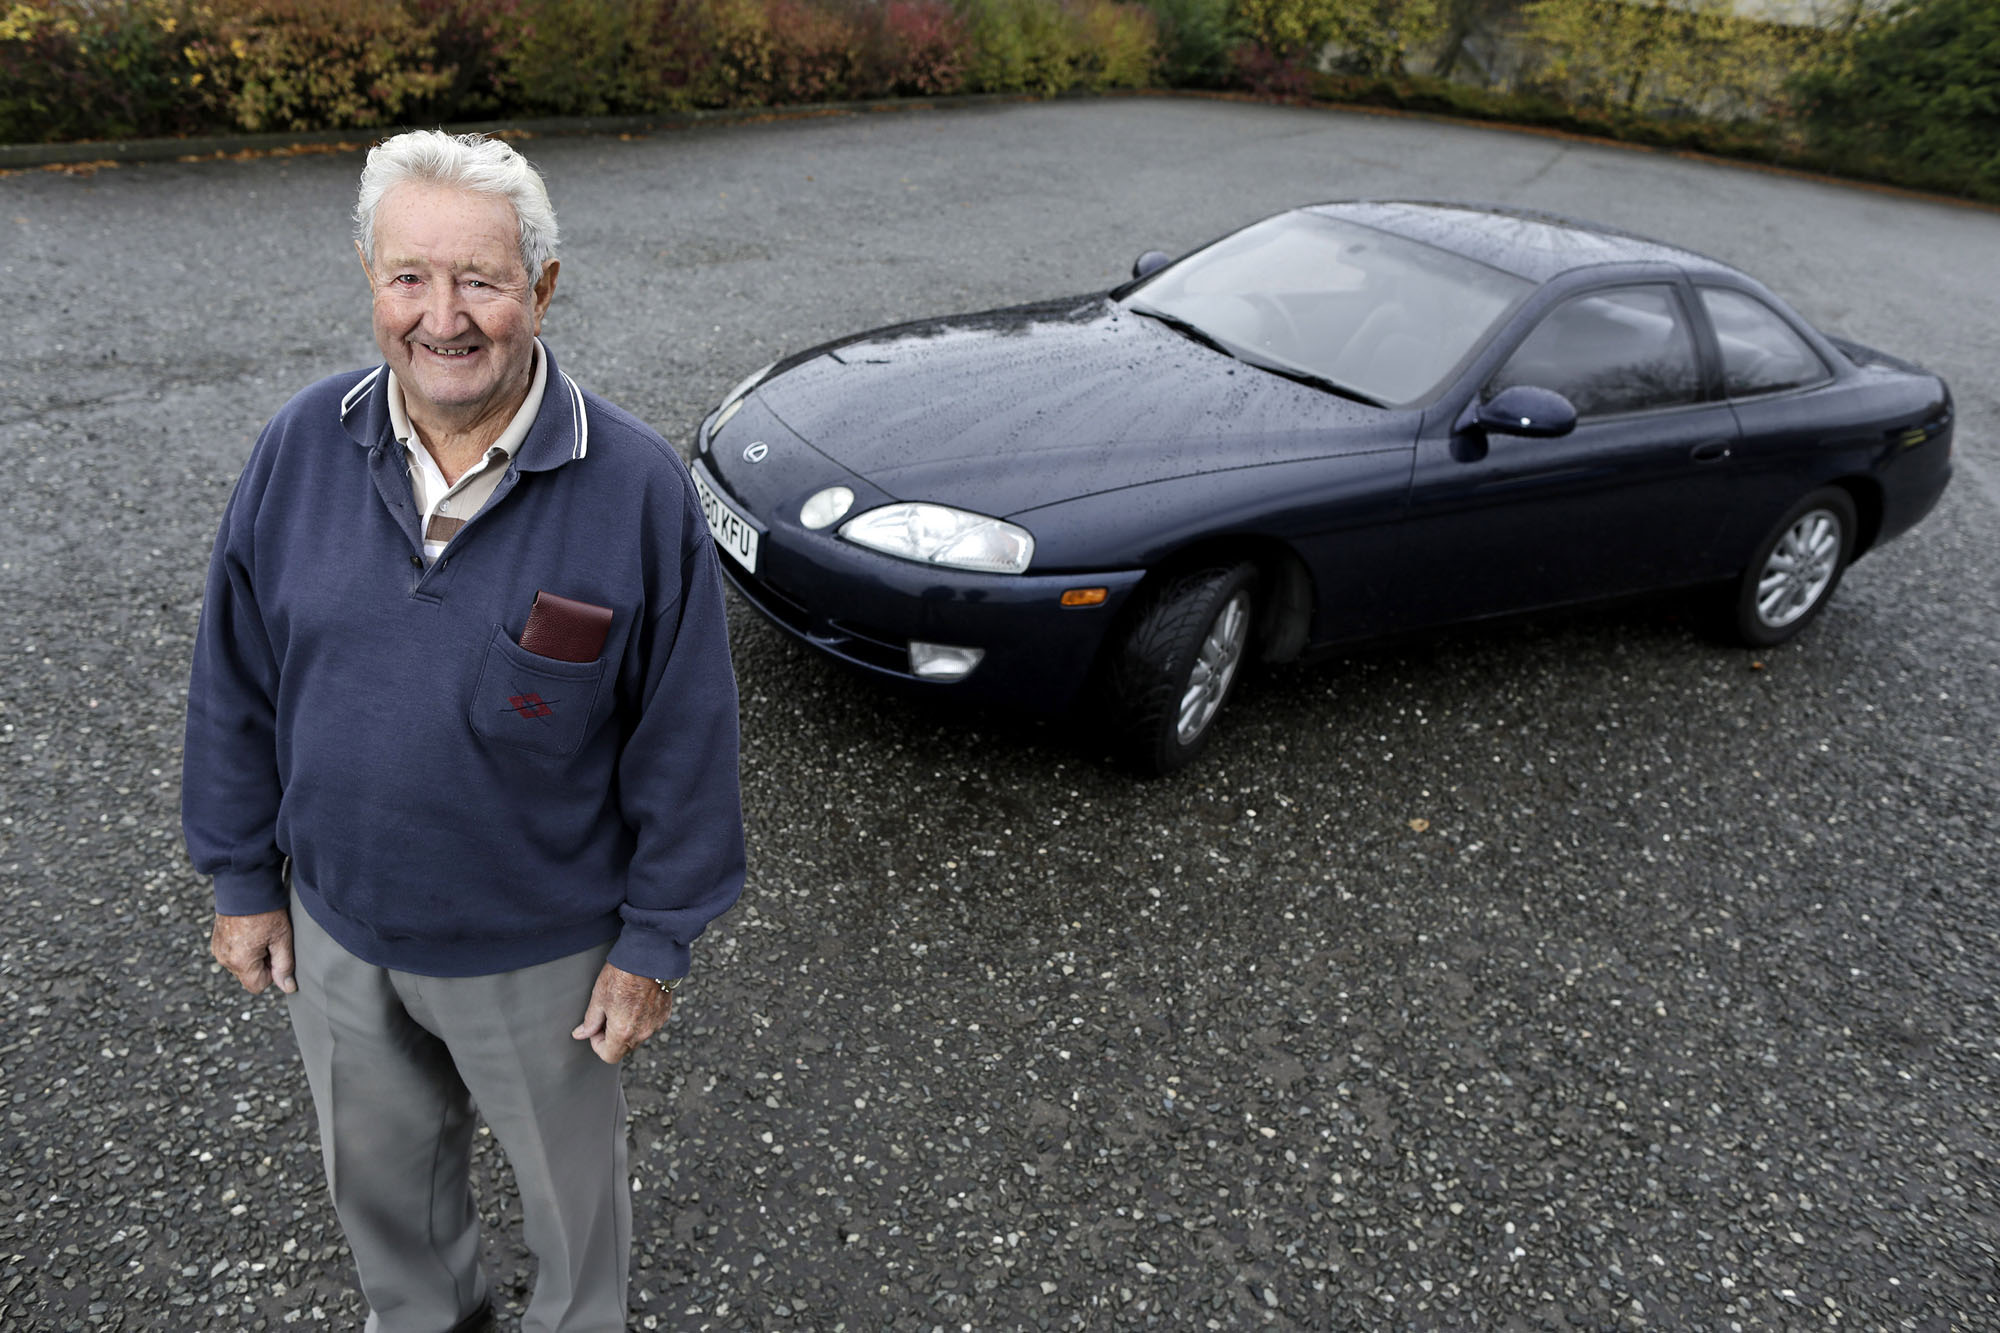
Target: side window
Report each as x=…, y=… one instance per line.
x=1761, y=353
x=1621, y=350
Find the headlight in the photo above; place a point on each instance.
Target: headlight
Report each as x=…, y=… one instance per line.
x=734, y=399
x=934, y=535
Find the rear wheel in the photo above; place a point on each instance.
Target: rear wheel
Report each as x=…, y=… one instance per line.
x=1172, y=672
x=1796, y=568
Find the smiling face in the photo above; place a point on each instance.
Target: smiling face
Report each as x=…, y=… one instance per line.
x=455, y=312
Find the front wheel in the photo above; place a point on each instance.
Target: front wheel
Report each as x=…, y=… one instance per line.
x=1171, y=673
x=1796, y=568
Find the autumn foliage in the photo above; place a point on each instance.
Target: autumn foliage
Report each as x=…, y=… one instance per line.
x=1896, y=89
x=78, y=69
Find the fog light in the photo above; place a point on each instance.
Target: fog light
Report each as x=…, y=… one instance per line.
x=826, y=507
x=942, y=661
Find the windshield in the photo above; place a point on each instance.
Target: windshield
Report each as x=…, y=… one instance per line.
x=1374, y=314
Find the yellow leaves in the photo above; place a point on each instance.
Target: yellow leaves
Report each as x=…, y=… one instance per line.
x=1117, y=46
x=24, y=22
x=1650, y=56
x=1374, y=35
x=296, y=67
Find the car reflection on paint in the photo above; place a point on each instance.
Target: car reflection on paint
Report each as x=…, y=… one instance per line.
x=1342, y=422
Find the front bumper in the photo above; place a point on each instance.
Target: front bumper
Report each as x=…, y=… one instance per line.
x=864, y=608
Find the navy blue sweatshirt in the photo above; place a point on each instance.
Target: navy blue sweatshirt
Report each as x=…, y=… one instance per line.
x=451, y=804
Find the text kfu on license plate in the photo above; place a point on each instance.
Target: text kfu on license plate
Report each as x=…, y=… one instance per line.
x=731, y=530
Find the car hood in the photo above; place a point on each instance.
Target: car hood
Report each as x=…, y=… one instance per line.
x=1013, y=409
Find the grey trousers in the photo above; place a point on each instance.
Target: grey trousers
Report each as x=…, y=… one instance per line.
x=397, y=1062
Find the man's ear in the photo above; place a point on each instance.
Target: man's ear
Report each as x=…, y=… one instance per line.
x=366, y=272
x=545, y=288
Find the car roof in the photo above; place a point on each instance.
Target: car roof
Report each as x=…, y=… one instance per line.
x=1532, y=245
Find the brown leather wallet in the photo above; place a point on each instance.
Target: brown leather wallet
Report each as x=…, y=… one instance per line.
x=565, y=630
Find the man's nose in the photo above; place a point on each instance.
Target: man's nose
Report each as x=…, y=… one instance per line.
x=444, y=309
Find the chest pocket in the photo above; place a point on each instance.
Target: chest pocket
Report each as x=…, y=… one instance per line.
x=534, y=703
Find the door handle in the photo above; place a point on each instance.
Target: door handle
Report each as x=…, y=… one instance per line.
x=1710, y=452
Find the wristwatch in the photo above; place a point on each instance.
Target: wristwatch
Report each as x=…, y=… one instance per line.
x=667, y=984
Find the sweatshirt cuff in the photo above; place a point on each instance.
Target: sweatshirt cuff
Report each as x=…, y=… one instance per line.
x=645, y=954
x=248, y=892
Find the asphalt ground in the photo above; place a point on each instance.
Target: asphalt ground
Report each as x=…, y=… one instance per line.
x=1575, y=973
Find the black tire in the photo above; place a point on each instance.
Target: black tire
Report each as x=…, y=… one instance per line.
x=1165, y=681
x=1795, y=569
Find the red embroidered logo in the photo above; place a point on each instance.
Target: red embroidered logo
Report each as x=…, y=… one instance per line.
x=531, y=705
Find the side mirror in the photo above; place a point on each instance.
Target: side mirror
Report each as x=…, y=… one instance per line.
x=1539, y=414
x=1146, y=265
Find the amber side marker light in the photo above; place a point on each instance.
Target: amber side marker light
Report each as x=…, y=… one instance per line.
x=1085, y=596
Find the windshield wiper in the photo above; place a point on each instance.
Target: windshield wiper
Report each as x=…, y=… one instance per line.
x=1307, y=377
x=1248, y=358
x=1182, y=326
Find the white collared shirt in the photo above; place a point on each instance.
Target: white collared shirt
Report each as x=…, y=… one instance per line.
x=445, y=508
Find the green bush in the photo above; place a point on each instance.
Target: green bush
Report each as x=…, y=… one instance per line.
x=1914, y=97
x=565, y=59
x=1117, y=45
x=1019, y=46
x=1049, y=46
x=1195, y=38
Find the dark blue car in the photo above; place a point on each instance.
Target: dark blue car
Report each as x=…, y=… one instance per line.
x=1342, y=422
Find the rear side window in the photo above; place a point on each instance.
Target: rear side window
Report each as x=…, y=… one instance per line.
x=1761, y=353
x=1626, y=349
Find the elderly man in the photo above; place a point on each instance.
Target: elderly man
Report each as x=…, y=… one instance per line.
x=461, y=750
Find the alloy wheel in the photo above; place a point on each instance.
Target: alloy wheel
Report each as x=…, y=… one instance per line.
x=1214, y=667
x=1800, y=568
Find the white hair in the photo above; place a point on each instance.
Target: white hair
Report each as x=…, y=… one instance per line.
x=465, y=162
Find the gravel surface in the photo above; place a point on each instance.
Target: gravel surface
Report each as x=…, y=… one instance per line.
x=1570, y=974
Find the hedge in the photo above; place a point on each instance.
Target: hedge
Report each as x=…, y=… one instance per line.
x=1914, y=96
x=1909, y=95
x=92, y=69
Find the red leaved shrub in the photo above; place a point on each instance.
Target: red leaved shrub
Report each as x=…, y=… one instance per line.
x=919, y=47
x=816, y=51
x=1260, y=70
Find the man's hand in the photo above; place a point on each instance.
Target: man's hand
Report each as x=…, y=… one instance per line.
x=257, y=949
x=624, y=1011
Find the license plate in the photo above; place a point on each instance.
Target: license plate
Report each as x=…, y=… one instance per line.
x=733, y=532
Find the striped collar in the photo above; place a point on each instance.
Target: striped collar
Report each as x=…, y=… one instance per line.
x=559, y=433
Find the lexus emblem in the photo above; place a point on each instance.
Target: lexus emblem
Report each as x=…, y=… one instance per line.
x=756, y=452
